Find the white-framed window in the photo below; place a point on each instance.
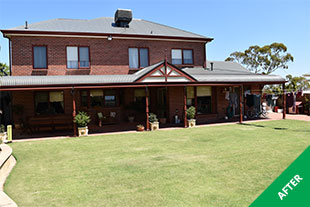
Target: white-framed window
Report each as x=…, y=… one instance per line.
x=182, y=56
x=138, y=57
x=77, y=57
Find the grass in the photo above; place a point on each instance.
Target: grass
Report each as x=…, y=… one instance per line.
x=206, y=166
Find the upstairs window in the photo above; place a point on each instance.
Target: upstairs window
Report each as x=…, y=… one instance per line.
x=138, y=57
x=40, y=57
x=77, y=57
x=176, y=56
x=182, y=56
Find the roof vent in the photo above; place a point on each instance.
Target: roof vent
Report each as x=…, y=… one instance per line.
x=26, y=25
x=123, y=17
x=211, y=66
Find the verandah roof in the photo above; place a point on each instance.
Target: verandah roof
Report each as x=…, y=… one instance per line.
x=223, y=72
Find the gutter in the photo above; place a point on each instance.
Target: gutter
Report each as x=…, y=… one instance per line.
x=7, y=33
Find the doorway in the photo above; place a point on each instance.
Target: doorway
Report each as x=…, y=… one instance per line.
x=161, y=102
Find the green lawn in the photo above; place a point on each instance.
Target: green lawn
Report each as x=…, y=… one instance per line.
x=206, y=166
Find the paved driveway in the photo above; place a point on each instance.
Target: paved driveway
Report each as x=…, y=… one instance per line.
x=277, y=116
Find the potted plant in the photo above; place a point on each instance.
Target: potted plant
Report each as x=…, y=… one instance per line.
x=81, y=120
x=191, y=112
x=153, y=122
x=3, y=134
x=140, y=128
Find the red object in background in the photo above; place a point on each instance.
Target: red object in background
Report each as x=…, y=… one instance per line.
x=276, y=109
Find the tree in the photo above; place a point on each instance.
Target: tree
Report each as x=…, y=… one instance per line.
x=4, y=69
x=296, y=83
x=266, y=59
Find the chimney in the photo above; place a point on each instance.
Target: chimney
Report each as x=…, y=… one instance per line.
x=26, y=25
x=123, y=17
x=211, y=66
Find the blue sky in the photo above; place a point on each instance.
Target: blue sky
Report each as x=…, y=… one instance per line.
x=234, y=24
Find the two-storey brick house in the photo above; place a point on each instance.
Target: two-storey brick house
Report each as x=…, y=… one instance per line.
x=116, y=68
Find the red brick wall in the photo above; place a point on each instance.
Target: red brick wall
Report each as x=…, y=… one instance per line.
x=107, y=57
x=26, y=98
x=176, y=102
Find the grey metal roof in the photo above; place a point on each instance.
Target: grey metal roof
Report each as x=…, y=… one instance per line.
x=222, y=72
x=64, y=80
x=147, y=69
x=106, y=25
x=225, y=71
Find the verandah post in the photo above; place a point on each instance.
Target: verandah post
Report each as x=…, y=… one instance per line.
x=147, y=108
x=73, y=112
x=284, y=102
x=185, y=108
x=241, y=104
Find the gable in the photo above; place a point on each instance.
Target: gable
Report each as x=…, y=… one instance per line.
x=164, y=73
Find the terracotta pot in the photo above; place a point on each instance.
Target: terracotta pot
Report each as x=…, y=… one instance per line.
x=140, y=129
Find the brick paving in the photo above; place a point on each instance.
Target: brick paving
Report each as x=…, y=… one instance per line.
x=278, y=116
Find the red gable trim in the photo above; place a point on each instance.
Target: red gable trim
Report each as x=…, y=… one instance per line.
x=166, y=75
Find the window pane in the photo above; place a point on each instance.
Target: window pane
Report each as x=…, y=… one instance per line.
x=139, y=92
x=133, y=58
x=84, y=57
x=176, y=56
x=110, y=98
x=190, y=92
x=96, y=98
x=188, y=56
x=204, y=105
x=144, y=57
x=56, y=102
x=72, y=57
x=84, y=100
x=204, y=91
x=39, y=57
x=110, y=101
x=41, y=103
x=190, y=102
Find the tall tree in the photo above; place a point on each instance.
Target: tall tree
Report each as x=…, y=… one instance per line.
x=296, y=83
x=264, y=59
